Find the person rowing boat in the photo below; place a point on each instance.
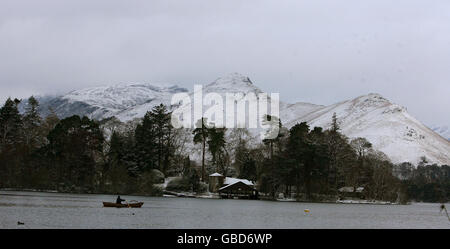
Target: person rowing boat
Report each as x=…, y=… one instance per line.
x=119, y=200
x=129, y=205
x=119, y=204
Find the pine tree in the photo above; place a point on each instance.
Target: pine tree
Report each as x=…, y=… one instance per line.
x=164, y=136
x=270, y=177
x=335, y=143
x=334, y=124
x=146, y=147
x=299, y=154
x=154, y=138
x=216, y=146
x=201, y=134
x=10, y=124
x=11, y=144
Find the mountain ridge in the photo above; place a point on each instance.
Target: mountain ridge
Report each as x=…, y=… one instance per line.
x=388, y=126
x=444, y=131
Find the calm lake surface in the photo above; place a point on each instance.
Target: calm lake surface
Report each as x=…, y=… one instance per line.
x=54, y=210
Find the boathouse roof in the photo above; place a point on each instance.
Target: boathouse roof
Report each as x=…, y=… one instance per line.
x=239, y=186
x=230, y=180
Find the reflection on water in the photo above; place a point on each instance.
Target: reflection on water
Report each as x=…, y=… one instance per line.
x=54, y=210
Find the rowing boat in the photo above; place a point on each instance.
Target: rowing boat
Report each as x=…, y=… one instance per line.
x=122, y=205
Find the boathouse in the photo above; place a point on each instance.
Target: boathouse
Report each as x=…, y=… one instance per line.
x=229, y=187
x=238, y=190
x=351, y=192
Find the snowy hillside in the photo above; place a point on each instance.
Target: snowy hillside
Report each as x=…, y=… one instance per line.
x=232, y=83
x=387, y=126
x=125, y=101
x=444, y=131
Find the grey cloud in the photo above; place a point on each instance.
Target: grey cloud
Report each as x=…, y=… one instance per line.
x=313, y=51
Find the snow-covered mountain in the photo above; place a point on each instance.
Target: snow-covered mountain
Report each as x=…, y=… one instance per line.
x=444, y=131
x=386, y=125
x=125, y=101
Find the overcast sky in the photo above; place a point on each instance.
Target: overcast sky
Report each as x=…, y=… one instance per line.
x=311, y=51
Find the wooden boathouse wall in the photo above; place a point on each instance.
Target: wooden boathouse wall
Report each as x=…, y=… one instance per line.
x=238, y=190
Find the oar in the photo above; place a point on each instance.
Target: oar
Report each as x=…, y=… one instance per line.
x=128, y=204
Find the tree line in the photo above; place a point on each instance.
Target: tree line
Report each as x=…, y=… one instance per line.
x=426, y=182
x=78, y=154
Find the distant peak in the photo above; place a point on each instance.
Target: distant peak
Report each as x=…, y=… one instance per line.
x=234, y=78
x=373, y=96
x=233, y=83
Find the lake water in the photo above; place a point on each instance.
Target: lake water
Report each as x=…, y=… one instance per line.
x=54, y=210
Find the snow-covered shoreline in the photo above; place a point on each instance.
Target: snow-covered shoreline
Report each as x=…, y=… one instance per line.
x=208, y=195
x=31, y=190
x=373, y=202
